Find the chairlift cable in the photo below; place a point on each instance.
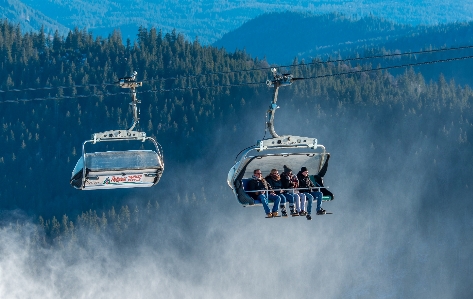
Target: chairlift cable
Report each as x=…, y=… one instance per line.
x=104, y=85
x=316, y=63
x=245, y=84
x=388, y=67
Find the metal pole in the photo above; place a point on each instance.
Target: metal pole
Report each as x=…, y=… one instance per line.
x=272, y=110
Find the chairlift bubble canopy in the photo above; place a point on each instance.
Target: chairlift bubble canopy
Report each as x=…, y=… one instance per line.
x=134, y=167
x=119, y=169
x=293, y=151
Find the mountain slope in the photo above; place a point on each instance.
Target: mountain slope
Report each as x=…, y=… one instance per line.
x=280, y=37
x=209, y=20
x=30, y=19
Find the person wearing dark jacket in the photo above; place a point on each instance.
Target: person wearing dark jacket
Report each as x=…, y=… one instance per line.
x=319, y=179
x=290, y=181
x=308, y=189
x=258, y=188
x=274, y=179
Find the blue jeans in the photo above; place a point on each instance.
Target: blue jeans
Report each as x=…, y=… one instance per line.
x=264, y=200
x=298, y=199
x=310, y=197
x=287, y=197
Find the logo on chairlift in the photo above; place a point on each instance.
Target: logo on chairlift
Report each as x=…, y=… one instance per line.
x=123, y=179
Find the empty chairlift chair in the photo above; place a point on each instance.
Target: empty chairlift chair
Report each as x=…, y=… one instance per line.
x=120, y=169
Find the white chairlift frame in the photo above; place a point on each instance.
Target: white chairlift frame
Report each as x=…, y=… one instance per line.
x=123, y=135
x=277, y=142
x=269, y=145
x=117, y=135
x=286, y=141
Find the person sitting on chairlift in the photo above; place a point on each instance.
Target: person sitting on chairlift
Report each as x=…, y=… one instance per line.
x=308, y=189
x=274, y=179
x=290, y=181
x=262, y=191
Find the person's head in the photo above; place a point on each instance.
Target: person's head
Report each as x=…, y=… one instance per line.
x=304, y=171
x=287, y=170
x=274, y=172
x=257, y=173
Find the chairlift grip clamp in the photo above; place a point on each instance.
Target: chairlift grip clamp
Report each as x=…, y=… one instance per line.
x=261, y=146
x=313, y=145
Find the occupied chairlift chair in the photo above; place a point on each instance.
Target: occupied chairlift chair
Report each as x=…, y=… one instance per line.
x=293, y=151
x=120, y=169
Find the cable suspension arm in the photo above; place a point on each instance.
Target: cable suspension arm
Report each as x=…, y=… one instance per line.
x=278, y=81
x=129, y=82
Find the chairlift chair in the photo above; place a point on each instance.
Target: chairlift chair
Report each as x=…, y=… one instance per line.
x=273, y=153
x=120, y=169
x=292, y=151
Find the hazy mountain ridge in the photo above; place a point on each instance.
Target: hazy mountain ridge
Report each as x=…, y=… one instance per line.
x=28, y=18
x=282, y=36
x=307, y=36
x=209, y=20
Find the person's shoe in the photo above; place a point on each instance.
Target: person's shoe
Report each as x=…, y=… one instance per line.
x=321, y=212
x=284, y=213
x=294, y=213
x=308, y=217
x=275, y=214
x=270, y=215
x=302, y=213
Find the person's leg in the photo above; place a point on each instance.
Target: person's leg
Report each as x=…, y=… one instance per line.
x=264, y=201
x=298, y=197
x=309, y=199
x=309, y=203
x=318, y=196
x=290, y=199
x=276, y=200
x=296, y=202
x=282, y=203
